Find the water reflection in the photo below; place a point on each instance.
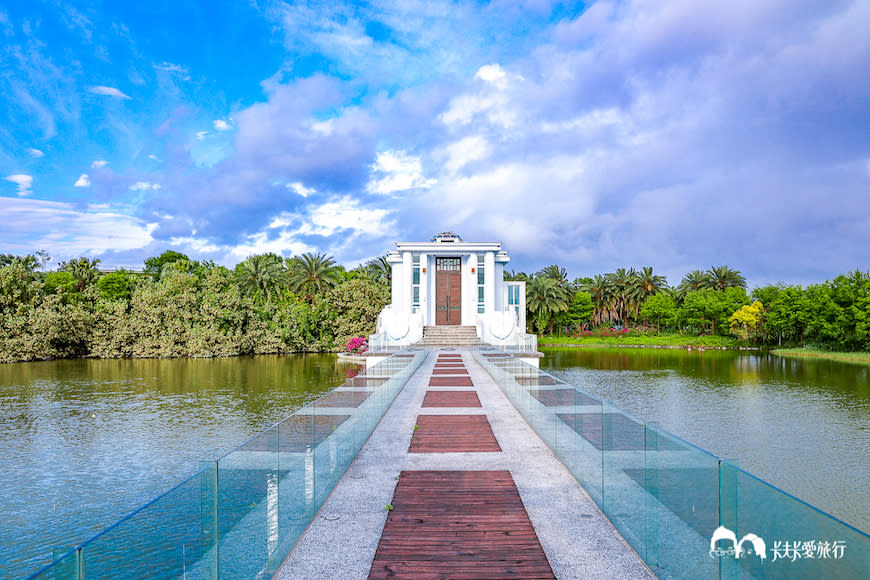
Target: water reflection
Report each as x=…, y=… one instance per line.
x=803, y=425
x=86, y=441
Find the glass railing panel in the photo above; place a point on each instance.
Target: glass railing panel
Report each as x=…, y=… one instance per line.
x=681, y=507
x=248, y=505
x=796, y=539
x=620, y=439
x=173, y=536
x=241, y=516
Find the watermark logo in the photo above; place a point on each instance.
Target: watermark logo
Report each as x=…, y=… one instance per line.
x=748, y=544
x=724, y=543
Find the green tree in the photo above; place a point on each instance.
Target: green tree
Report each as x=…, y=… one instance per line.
x=746, y=321
x=262, y=276
x=380, y=270
x=116, y=286
x=554, y=272
x=154, y=265
x=313, y=274
x=60, y=280
x=712, y=306
x=601, y=292
x=723, y=277
x=544, y=299
x=579, y=311
x=84, y=270
x=660, y=308
x=357, y=304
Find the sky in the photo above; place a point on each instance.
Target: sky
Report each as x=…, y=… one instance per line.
x=677, y=134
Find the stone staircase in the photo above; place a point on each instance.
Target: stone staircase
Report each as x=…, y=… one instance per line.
x=440, y=336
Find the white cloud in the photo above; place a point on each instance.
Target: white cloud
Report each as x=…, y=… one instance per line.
x=345, y=214
x=99, y=164
x=196, y=244
x=300, y=189
x=221, y=125
x=24, y=183
x=83, y=181
x=144, y=186
x=492, y=100
x=395, y=171
x=493, y=74
x=201, y=135
x=155, y=158
x=109, y=92
x=35, y=153
x=465, y=151
x=182, y=72
x=63, y=229
x=285, y=244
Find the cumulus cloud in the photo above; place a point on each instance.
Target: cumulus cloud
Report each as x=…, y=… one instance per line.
x=64, y=229
x=99, y=164
x=35, y=153
x=108, y=92
x=24, y=183
x=221, y=125
x=300, y=189
x=83, y=181
x=396, y=171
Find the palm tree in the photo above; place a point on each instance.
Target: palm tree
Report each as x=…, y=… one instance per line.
x=621, y=280
x=724, y=277
x=644, y=285
x=601, y=292
x=554, y=272
x=312, y=274
x=544, y=299
x=380, y=270
x=694, y=280
x=262, y=275
x=510, y=276
x=83, y=270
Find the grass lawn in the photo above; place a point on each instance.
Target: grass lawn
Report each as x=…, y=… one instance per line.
x=851, y=357
x=638, y=340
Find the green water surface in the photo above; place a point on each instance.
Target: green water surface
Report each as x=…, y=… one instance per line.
x=84, y=442
x=801, y=424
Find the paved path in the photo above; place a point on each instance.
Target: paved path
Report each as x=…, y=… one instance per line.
x=474, y=491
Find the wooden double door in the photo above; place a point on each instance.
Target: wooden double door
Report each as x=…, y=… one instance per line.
x=448, y=291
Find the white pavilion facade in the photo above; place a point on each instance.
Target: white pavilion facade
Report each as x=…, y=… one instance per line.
x=450, y=282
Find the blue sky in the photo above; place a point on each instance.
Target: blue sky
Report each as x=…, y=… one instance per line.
x=680, y=134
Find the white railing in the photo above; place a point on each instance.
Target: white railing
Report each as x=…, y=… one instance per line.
x=396, y=330
x=500, y=329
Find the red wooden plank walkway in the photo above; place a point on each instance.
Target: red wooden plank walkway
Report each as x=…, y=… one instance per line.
x=451, y=399
x=450, y=382
x=453, y=434
x=458, y=524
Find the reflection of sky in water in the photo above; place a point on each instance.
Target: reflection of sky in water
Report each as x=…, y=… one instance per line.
x=86, y=442
x=803, y=426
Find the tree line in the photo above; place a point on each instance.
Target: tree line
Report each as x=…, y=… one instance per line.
x=834, y=315
x=182, y=307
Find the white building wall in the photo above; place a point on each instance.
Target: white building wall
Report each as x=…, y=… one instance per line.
x=489, y=282
x=407, y=277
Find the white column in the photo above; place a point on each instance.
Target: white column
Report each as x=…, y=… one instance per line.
x=489, y=282
x=424, y=288
x=407, y=281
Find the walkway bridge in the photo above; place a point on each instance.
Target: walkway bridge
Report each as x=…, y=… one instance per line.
x=463, y=462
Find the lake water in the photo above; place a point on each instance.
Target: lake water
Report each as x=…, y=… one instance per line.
x=802, y=425
x=84, y=442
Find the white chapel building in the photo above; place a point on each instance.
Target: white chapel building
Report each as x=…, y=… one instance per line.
x=450, y=282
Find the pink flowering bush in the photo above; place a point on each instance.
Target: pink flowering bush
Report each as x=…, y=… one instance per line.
x=357, y=345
